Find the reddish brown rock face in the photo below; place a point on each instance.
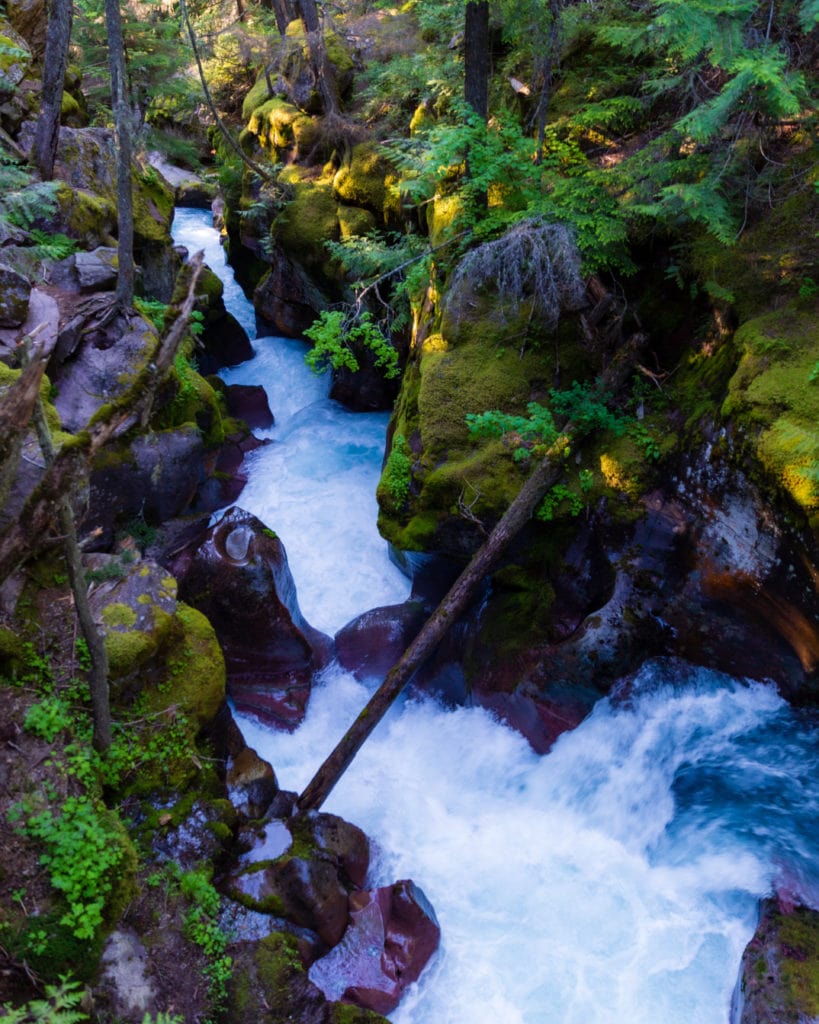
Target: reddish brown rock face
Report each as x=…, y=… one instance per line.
x=237, y=575
x=399, y=921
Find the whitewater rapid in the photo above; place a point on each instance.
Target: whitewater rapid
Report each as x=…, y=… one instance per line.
x=614, y=881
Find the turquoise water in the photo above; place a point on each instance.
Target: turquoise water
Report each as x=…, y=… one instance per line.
x=615, y=880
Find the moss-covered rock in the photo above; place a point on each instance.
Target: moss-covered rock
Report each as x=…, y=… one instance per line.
x=160, y=651
x=774, y=396
x=281, y=129
x=366, y=180
x=308, y=221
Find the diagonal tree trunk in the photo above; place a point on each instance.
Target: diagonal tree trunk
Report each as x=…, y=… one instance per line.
x=545, y=474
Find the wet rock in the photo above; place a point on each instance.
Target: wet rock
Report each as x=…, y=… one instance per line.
x=304, y=890
x=238, y=576
x=777, y=981
x=251, y=783
x=301, y=870
x=372, y=643
x=155, y=477
x=248, y=402
x=223, y=343
x=392, y=934
x=287, y=302
x=14, y=297
x=199, y=838
x=189, y=189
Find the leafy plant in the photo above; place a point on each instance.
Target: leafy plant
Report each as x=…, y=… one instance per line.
x=60, y=1006
x=398, y=470
x=22, y=208
x=81, y=854
x=52, y=246
x=49, y=718
x=336, y=335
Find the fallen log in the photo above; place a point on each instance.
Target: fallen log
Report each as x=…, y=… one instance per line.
x=546, y=473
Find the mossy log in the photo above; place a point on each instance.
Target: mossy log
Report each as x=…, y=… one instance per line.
x=545, y=474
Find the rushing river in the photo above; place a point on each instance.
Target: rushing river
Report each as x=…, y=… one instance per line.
x=614, y=881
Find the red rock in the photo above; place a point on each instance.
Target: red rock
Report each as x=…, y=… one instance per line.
x=399, y=921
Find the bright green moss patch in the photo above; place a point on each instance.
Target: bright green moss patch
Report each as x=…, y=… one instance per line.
x=279, y=126
x=774, y=395
x=309, y=221
x=365, y=181
x=799, y=940
x=119, y=615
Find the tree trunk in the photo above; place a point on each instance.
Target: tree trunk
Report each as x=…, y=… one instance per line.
x=546, y=70
x=98, y=674
x=545, y=474
x=476, y=56
x=55, y=62
x=322, y=69
x=122, y=129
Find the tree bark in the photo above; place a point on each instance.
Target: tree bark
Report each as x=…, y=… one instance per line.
x=126, y=274
x=98, y=673
x=311, y=20
x=55, y=62
x=547, y=73
x=545, y=474
x=476, y=56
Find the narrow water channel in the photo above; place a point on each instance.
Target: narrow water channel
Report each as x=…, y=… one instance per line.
x=614, y=881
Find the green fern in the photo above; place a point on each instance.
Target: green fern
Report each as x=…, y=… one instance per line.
x=60, y=1006
x=52, y=247
x=26, y=206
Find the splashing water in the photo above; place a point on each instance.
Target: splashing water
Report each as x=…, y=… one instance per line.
x=613, y=881
x=315, y=483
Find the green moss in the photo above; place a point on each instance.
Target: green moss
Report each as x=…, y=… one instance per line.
x=119, y=615
x=307, y=222
x=128, y=650
x=344, y=1013
x=196, y=667
x=799, y=940
x=89, y=218
x=771, y=395
x=443, y=214
x=365, y=181
x=775, y=255
x=352, y=220
x=258, y=94
x=279, y=127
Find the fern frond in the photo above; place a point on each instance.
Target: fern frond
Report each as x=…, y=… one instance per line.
x=23, y=207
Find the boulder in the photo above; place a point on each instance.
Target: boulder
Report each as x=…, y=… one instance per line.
x=251, y=782
x=224, y=342
x=248, y=402
x=156, y=477
x=301, y=869
x=15, y=290
x=93, y=369
x=287, y=302
x=29, y=18
x=43, y=313
x=238, y=576
x=158, y=648
x=392, y=934
x=372, y=643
